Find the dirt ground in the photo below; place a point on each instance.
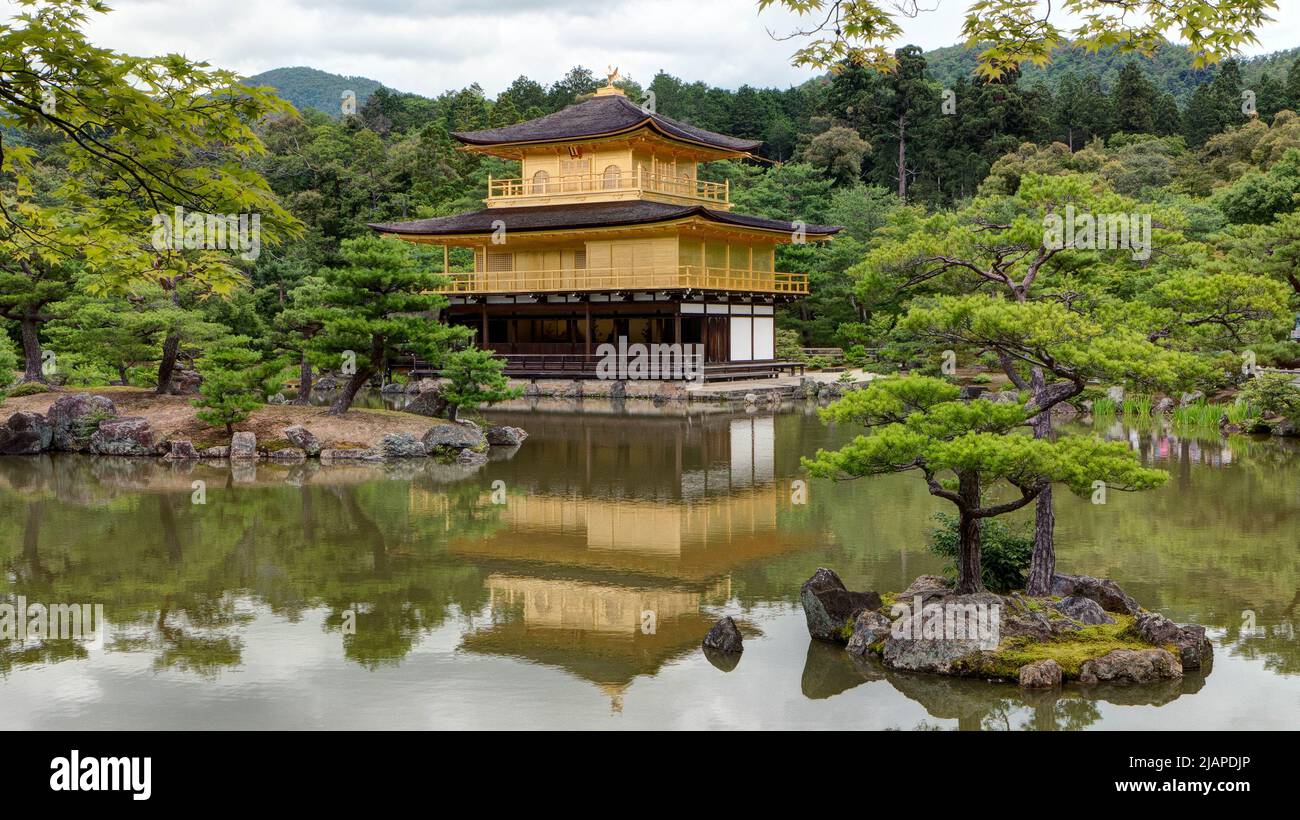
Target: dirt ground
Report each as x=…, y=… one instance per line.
x=172, y=417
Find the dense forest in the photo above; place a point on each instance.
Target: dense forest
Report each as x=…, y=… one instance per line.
x=878, y=153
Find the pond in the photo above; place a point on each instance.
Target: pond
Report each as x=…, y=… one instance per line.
x=569, y=584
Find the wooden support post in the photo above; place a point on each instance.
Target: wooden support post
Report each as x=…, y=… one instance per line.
x=483, y=314
x=587, y=326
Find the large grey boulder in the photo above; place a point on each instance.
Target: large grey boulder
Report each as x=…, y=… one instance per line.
x=1163, y=407
x=429, y=403
x=1102, y=590
x=724, y=637
x=950, y=629
x=1131, y=666
x=25, y=434
x=402, y=445
x=215, y=452
x=1084, y=610
x=1115, y=394
x=505, y=436
x=243, y=446
x=303, y=439
x=1194, y=649
x=869, y=627
x=125, y=436
x=1044, y=674
x=830, y=607
x=74, y=419
x=450, y=439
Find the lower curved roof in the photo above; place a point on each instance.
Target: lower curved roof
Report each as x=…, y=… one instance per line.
x=587, y=215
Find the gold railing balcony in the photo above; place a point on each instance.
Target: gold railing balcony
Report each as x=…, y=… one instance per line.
x=520, y=191
x=683, y=277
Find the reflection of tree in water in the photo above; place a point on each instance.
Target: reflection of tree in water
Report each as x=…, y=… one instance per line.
x=172, y=575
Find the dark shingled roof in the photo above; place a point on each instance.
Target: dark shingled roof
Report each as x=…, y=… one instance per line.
x=585, y=215
x=611, y=114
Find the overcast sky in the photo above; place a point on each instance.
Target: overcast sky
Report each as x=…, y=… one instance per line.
x=429, y=46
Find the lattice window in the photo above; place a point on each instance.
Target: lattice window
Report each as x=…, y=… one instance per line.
x=611, y=177
x=541, y=183
x=500, y=262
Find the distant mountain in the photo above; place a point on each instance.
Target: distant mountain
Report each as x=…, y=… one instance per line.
x=1170, y=67
x=312, y=88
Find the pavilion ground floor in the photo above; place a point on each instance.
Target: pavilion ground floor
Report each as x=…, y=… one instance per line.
x=727, y=329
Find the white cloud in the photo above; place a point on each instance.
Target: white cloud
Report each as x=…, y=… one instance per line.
x=430, y=46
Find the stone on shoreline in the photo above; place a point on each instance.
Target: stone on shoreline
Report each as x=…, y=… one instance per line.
x=869, y=627
x=1194, y=649
x=303, y=439
x=74, y=419
x=215, y=453
x=724, y=636
x=356, y=454
x=1084, y=610
x=25, y=434
x=243, y=446
x=124, y=436
x=182, y=449
x=830, y=607
x=1132, y=666
x=504, y=436
x=1102, y=590
x=449, y=439
x=1045, y=674
x=429, y=403
x=402, y=445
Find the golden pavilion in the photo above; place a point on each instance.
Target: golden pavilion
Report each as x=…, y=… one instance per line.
x=609, y=231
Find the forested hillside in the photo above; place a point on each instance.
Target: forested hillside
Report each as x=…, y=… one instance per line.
x=312, y=88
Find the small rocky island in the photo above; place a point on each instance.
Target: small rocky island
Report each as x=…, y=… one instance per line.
x=1088, y=630
x=137, y=423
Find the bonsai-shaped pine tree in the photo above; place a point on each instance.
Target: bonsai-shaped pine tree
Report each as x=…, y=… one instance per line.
x=228, y=394
x=380, y=303
x=475, y=377
x=966, y=450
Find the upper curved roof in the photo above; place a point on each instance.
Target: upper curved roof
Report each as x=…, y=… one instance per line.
x=601, y=116
x=587, y=215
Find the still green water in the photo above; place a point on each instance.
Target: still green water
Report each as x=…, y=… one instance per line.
x=407, y=596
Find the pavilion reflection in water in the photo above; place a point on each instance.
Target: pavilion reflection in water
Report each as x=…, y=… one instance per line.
x=613, y=581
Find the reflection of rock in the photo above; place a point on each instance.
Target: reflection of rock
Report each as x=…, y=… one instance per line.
x=1131, y=665
x=1083, y=610
x=1102, y=590
x=725, y=661
x=127, y=436
x=25, y=434
x=724, y=636
x=828, y=670
x=830, y=608
x=1194, y=648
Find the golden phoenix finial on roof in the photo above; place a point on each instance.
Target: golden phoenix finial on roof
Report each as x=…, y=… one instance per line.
x=612, y=74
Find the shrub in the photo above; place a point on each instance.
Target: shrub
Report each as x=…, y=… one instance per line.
x=1273, y=394
x=1005, y=551
x=28, y=389
x=228, y=394
x=789, y=346
x=818, y=362
x=475, y=378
